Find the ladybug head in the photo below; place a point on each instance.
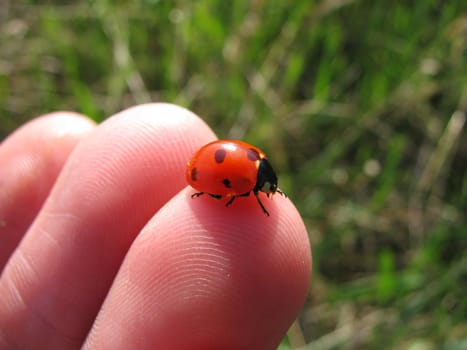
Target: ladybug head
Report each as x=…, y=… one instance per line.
x=267, y=180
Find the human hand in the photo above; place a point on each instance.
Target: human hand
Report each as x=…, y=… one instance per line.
x=114, y=253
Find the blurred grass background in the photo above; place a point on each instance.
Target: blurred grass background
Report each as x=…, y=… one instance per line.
x=361, y=106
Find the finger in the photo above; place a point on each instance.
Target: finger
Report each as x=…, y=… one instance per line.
x=112, y=184
x=30, y=161
x=224, y=278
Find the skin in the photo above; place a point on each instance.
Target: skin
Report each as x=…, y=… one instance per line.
x=101, y=246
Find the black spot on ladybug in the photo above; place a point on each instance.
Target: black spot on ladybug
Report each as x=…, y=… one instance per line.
x=220, y=154
x=253, y=155
x=226, y=183
x=194, y=173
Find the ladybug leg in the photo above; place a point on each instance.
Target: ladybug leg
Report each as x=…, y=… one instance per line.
x=216, y=196
x=230, y=201
x=244, y=194
x=238, y=195
x=260, y=203
x=197, y=194
x=281, y=193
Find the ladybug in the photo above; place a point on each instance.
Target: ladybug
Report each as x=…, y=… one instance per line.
x=231, y=169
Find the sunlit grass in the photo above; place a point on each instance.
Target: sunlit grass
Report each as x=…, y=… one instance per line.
x=360, y=105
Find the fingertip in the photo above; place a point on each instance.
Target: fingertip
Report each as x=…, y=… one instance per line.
x=177, y=127
x=30, y=160
x=281, y=236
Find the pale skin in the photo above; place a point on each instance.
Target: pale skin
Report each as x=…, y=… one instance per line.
x=102, y=246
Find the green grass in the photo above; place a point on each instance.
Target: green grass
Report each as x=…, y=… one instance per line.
x=361, y=105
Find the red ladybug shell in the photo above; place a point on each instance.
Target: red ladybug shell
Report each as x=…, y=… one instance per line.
x=231, y=168
x=225, y=168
